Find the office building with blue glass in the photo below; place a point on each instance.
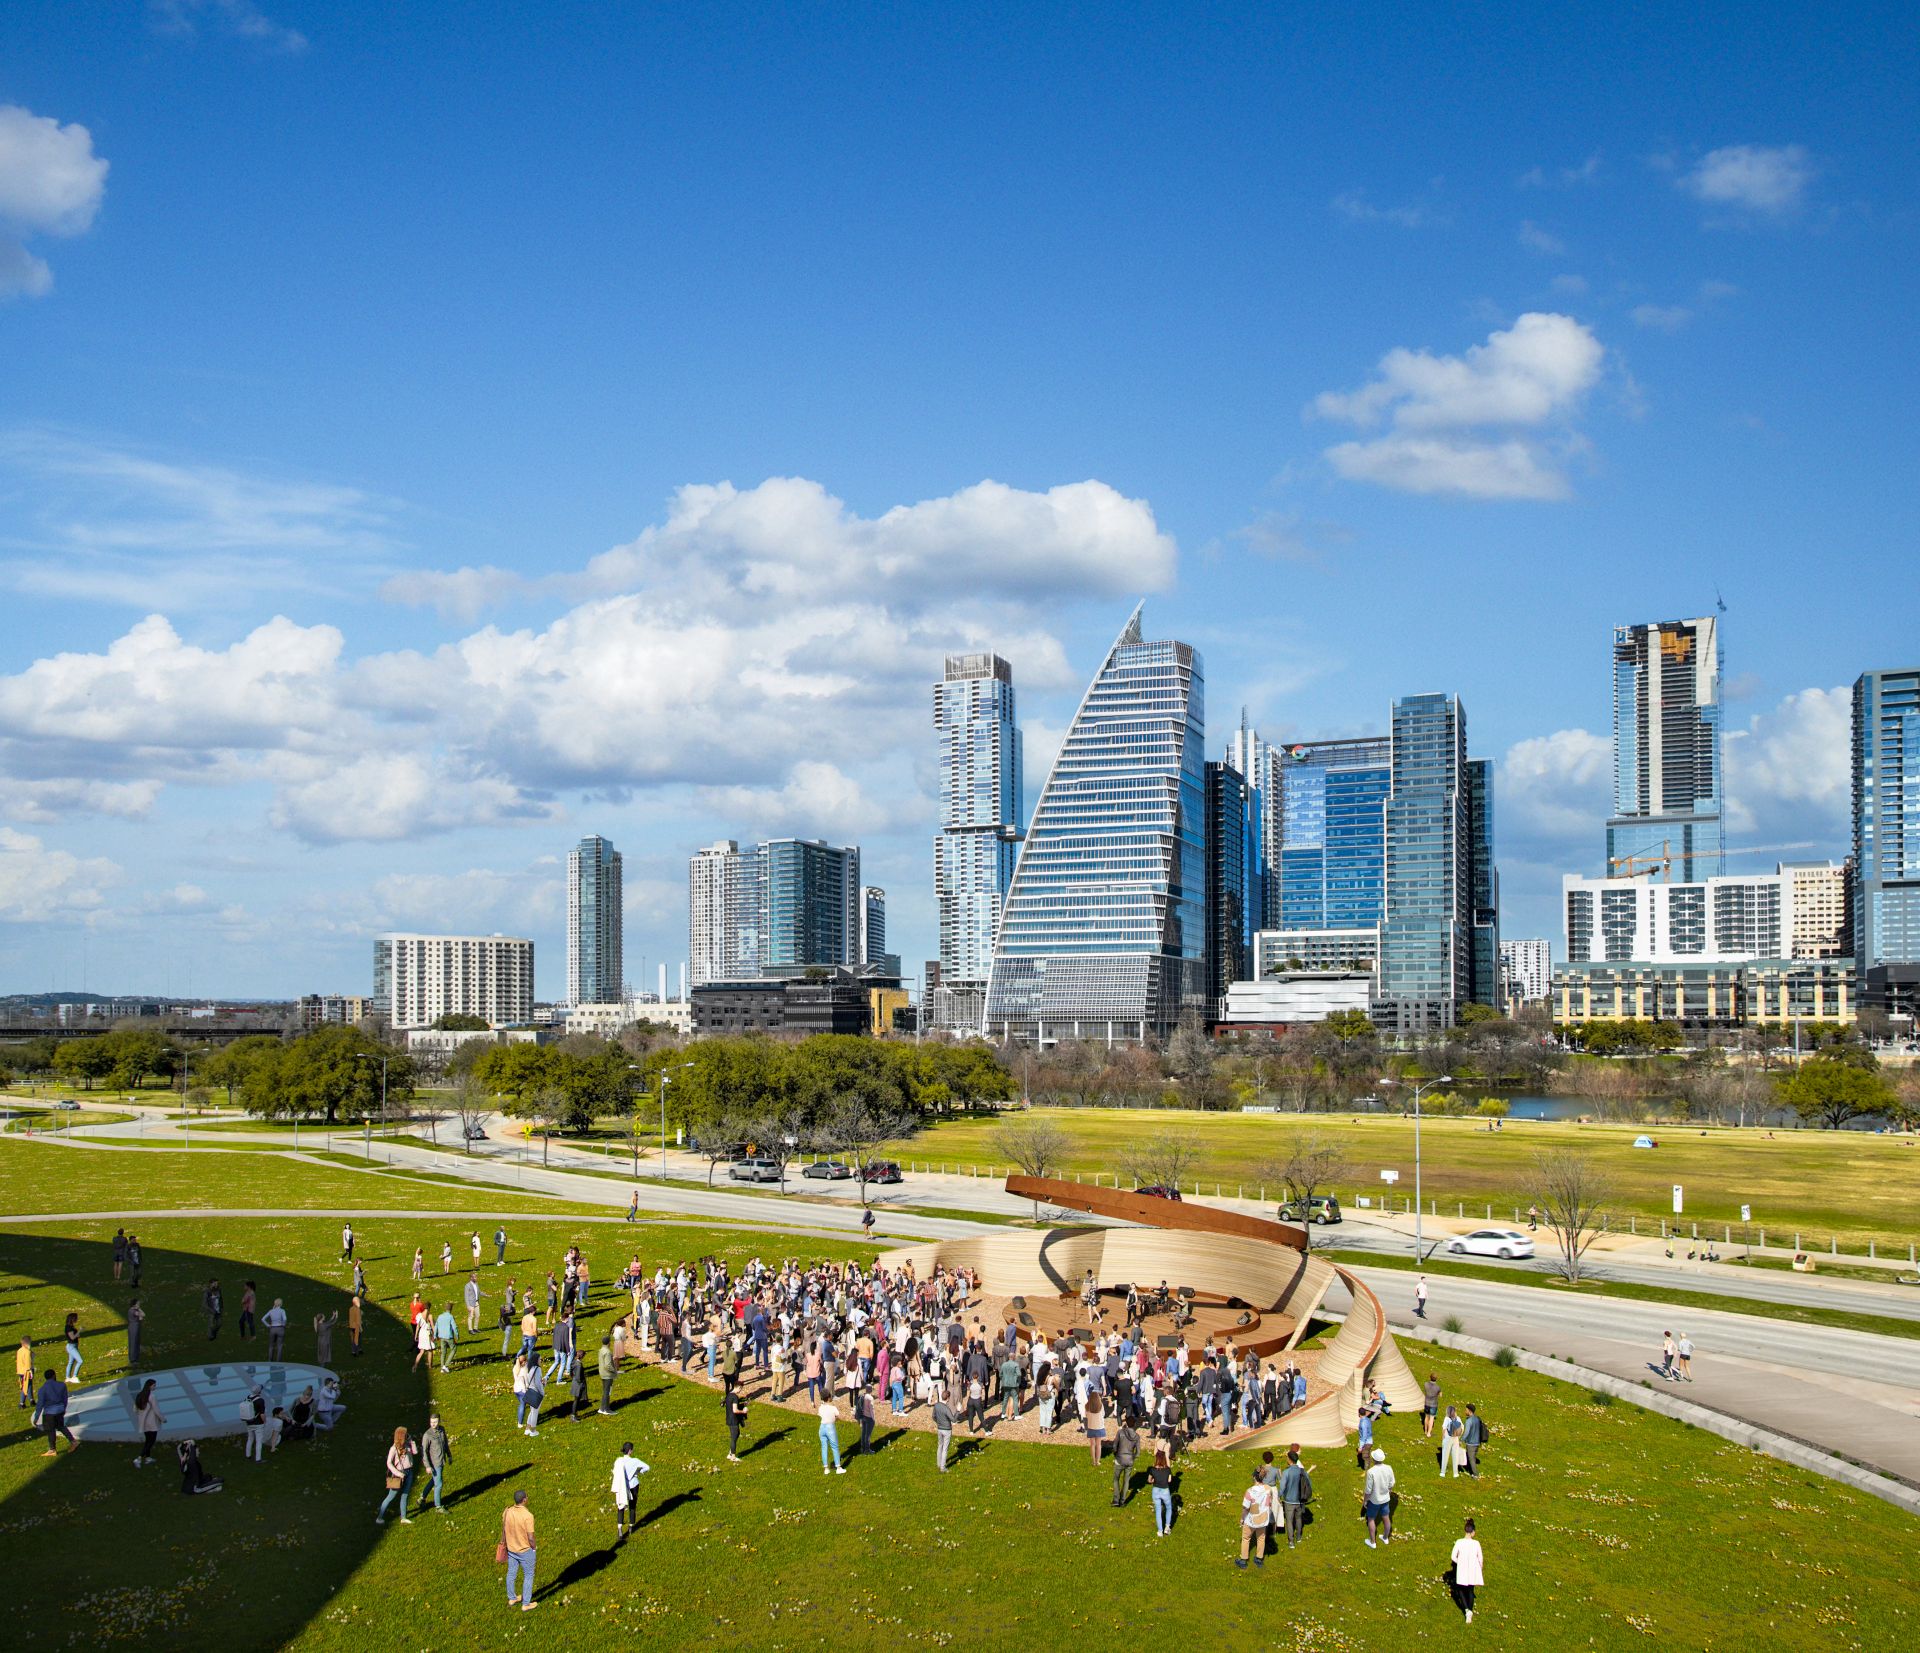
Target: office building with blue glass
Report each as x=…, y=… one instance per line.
x=595, y=962
x=1439, y=942
x=1886, y=839
x=1104, y=930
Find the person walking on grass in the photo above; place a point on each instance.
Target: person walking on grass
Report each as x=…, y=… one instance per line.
x=1429, y=1404
x=136, y=1324
x=1126, y=1448
x=736, y=1415
x=346, y=1242
x=1467, y=1571
x=419, y=1263
x=70, y=1335
x=147, y=1418
x=436, y=1452
x=1295, y=1492
x=446, y=1256
x=1160, y=1481
x=1473, y=1436
x=506, y=1322
x=471, y=1293
x=1376, y=1500
x=423, y=1341
x=517, y=1549
x=474, y=1239
x=51, y=1409
x=942, y=1430
x=134, y=1259
x=1256, y=1515
x=577, y=1390
x=446, y=1331
x=119, y=1252
x=627, y=1470
x=499, y=1257
x=210, y=1301
x=23, y=1372
x=563, y=1335
x=829, y=1437
x=359, y=1281
x=606, y=1367
x=533, y=1395
x=401, y=1460
x=1450, y=1443
x=275, y=1322
x=246, y=1325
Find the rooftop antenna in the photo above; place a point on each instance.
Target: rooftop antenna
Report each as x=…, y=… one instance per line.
x=1719, y=602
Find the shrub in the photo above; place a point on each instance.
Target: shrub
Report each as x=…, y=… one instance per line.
x=1505, y=1357
x=1454, y=1323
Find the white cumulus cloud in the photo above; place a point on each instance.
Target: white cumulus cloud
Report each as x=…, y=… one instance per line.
x=38, y=884
x=1480, y=423
x=51, y=183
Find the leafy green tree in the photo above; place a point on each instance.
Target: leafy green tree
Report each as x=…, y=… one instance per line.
x=461, y=1021
x=230, y=1065
x=1471, y=1014
x=517, y=1070
x=84, y=1060
x=1351, y=1026
x=138, y=1052
x=324, y=1073
x=1831, y=1092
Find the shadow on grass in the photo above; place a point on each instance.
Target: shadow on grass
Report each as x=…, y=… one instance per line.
x=486, y=1483
x=765, y=1441
x=578, y=1571
x=667, y=1506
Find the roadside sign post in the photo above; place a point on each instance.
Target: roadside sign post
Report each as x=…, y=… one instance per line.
x=1746, y=1231
x=1389, y=1177
x=1676, y=1199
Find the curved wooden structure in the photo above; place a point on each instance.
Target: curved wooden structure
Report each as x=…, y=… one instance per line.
x=1225, y=1256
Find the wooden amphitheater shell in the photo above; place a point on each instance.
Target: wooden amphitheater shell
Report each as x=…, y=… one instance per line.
x=1264, y=1265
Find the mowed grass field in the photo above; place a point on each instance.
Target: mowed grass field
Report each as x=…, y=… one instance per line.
x=1604, y=1527
x=51, y=1176
x=1850, y=1184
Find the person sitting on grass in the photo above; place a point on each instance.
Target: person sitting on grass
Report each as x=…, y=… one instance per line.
x=194, y=1479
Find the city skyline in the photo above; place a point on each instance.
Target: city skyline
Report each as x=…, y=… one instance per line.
x=326, y=629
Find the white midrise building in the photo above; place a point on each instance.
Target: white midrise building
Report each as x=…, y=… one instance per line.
x=417, y=979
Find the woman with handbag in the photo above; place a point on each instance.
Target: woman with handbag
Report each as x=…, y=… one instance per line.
x=401, y=1458
x=1466, y=1572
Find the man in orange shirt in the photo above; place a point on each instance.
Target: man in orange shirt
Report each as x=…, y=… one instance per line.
x=516, y=1537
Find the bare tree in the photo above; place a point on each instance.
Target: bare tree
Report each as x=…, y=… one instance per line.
x=1037, y=1146
x=1164, y=1160
x=857, y=1129
x=718, y=1138
x=1573, y=1195
x=780, y=1137
x=1311, y=1164
x=471, y=1105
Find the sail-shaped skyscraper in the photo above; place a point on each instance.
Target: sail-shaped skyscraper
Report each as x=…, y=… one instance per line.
x=1104, y=931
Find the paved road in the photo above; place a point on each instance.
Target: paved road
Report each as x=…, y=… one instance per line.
x=1851, y=1393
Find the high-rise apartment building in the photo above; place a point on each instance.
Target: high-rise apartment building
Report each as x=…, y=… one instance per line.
x=873, y=924
x=1439, y=942
x=1667, y=801
x=810, y=894
x=1886, y=838
x=1710, y=920
x=417, y=979
x=725, y=913
x=1232, y=845
x=1104, y=932
x=595, y=968
x=1257, y=763
x=1526, y=969
x=980, y=823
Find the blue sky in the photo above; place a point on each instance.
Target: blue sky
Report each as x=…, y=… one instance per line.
x=425, y=441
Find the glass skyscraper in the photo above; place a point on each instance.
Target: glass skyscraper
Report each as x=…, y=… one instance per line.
x=1331, y=868
x=1886, y=838
x=810, y=899
x=1104, y=933
x=973, y=857
x=725, y=913
x=1667, y=803
x=1427, y=940
x=1233, y=847
x=595, y=967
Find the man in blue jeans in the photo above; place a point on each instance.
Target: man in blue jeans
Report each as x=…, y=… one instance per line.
x=436, y=1452
x=516, y=1533
x=52, y=1406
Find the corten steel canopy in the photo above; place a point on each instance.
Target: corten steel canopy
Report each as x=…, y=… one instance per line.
x=1226, y=1258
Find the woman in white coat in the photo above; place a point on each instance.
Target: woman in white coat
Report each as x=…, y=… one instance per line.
x=1468, y=1571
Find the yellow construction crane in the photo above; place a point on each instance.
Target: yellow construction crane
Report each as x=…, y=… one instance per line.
x=1632, y=866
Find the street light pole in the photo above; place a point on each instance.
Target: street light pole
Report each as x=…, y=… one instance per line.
x=1418, y=1092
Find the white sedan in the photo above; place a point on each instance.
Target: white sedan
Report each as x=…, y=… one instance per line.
x=1492, y=1242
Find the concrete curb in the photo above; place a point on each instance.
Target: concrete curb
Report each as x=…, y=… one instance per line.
x=1800, y=1454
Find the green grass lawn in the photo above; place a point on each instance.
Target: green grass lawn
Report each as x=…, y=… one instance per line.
x=1847, y=1183
x=36, y=1176
x=37, y=1120
x=1604, y=1526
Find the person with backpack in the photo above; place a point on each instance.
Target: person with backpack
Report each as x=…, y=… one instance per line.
x=1474, y=1434
x=627, y=1470
x=1296, y=1492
